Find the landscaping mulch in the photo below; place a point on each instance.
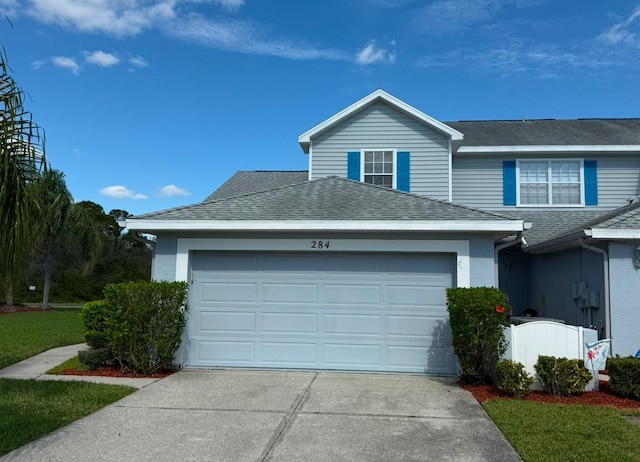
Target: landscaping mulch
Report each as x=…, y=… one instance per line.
x=603, y=397
x=114, y=371
x=8, y=309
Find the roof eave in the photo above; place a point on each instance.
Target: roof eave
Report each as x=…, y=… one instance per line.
x=488, y=226
x=551, y=149
x=378, y=95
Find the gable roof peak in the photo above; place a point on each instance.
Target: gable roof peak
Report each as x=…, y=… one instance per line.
x=372, y=98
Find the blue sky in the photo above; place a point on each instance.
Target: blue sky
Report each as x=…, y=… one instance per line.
x=152, y=104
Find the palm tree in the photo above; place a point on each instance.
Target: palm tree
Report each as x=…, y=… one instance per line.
x=21, y=159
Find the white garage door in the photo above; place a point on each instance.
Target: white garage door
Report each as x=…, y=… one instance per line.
x=373, y=312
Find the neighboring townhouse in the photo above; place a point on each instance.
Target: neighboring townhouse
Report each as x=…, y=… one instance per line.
x=345, y=266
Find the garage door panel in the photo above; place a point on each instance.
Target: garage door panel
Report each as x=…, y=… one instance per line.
x=289, y=323
x=411, y=295
x=289, y=293
x=352, y=324
x=226, y=263
x=352, y=264
x=352, y=294
x=375, y=312
x=350, y=355
x=226, y=352
x=227, y=321
x=229, y=292
x=288, y=353
x=291, y=263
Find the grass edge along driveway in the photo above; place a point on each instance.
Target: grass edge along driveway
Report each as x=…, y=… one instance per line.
x=30, y=409
x=566, y=432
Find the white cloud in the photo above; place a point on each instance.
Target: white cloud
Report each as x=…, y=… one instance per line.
x=138, y=61
x=100, y=58
x=120, y=192
x=230, y=4
x=244, y=37
x=114, y=17
x=37, y=64
x=517, y=57
x=172, y=190
x=66, y=62
x=444, y=16
x=621, y=32
x=371, y=54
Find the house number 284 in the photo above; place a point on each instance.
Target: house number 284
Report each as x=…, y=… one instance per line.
x=319, y=244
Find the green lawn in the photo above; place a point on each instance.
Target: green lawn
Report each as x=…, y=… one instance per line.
x=26, y=334
x=30, y=409
x=558, y=432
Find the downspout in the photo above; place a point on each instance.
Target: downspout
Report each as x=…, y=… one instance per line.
x=607, y=307
x=499, y=247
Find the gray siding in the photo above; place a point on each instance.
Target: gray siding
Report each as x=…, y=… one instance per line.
x=625, y=300
x=477, y=181
x=380, y=126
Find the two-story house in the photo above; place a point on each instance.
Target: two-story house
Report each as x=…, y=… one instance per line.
x=345, y=266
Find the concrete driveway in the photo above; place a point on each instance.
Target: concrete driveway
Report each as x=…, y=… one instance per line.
x=239, y=415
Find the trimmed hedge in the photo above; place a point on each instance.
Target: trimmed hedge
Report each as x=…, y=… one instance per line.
x=512, y=379
x=562, y=376
x=95, y=358
x=145, y=323
x=624, y=376
x=94, y=315
x=477, y=316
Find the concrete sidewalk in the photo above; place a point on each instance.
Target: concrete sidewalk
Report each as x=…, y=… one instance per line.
x=36, y=367
x=284, y=416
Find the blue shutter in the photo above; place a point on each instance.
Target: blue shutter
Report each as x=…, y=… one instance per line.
x=591, y=182
x=403, y=166
x=353, y=166
x=509, y=182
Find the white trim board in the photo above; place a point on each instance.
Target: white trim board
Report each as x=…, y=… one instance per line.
x=459, y=247
x=574, y=148
x=497, y=225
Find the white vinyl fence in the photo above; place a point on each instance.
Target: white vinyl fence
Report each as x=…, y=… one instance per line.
x=529, y=340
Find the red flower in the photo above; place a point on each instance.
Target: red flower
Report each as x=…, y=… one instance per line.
x=453, y=343
x=500, y=309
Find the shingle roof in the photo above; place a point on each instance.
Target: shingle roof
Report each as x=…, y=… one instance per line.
x=550, y=224
x=626, y=217
x=329, y=198
x=553, y=224
x=549, y=132
x=244, y=182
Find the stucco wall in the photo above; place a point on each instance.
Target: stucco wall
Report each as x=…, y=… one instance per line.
x=625, y=299
x=164, y=259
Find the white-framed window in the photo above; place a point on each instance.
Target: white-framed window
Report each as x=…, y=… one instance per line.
x=545, y=182
x=379, y=167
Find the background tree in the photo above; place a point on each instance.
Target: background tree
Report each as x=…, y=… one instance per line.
x=56, y=213
x=21, y=158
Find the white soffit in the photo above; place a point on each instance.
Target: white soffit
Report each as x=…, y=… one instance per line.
x=378, y=95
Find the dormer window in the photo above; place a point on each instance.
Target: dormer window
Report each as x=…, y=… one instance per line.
x=378, y=168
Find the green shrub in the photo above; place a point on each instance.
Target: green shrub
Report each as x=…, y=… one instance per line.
x=94, y=315
x=96, y=339
x=624, y=376
x=145, y=323
x=562, y=376
x=477, y=316
x=95, y=358
x=512, y=379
